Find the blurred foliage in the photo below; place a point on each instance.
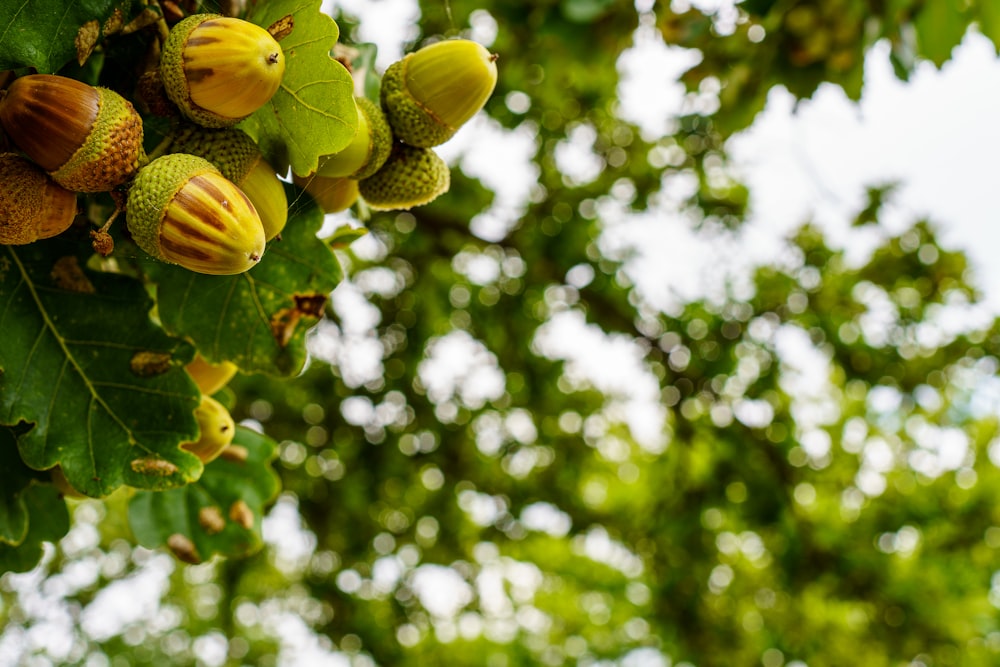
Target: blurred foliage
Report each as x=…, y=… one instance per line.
x=820, y=488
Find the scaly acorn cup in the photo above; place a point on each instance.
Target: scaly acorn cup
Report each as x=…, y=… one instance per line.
x=235, y=154
x=430, y=93
x=181, y=210
x=217, y=430
x=367, y=151
x=218, y=70
x=332, y=194
x=89, y=139
x=32, y=205
x=411, y=177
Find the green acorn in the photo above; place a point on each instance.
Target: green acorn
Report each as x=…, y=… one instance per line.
x=88, y=139
x=411, y=177
x=235, y=154
x=181, y=210
x=430, y=93
x=367, y=151
x=218, y=70
x=333, y=194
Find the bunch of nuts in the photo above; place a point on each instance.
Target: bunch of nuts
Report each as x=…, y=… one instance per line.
x=208, y=200
x=211, y=212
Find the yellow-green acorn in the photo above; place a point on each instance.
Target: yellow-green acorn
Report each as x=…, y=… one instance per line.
x=210, y=377
x=218, y=70
x=367, y=151
x=235, y=154
x=333, y=194
x=89, y=139
x=32, y=205
x=181, y=210
x=411, y=177
x=430, y=93
x=217, y=430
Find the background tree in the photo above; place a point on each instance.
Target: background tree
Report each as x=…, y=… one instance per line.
x=462, y=485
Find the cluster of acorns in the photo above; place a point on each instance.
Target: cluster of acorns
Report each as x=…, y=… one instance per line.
x=208, y=201
x=425, y=98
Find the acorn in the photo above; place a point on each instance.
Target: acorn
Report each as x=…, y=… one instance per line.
x=411, y=177
x=88, y=138
x=32, y=205
x=217, y=430
x=210, y=377
x=332, y=194
x=218, y=70
x=237, y=157
x=367, y=151
x=181, y=210
x=430, y=93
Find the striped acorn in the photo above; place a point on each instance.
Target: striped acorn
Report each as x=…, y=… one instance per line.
x=235, y=154
x=217, y=430
x=410, y=177
x=430, y=93
x=89, y=139
x=181, y=210
x=367, y=151
x=332, y=194
x=32, y=205
x=218, y=70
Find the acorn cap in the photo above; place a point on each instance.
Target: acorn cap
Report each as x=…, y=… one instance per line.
x=430, y=93
x=218, y=70
x=32, y=205
x=367, y=151
x=411, y=177
x=89, y=139
x=237, y=157
x=181, y=210
x=210, y=377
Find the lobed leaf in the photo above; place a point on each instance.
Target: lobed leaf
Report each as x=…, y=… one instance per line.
x=220, y=513
x=100, y=387
x=258, y=319
x=313, y=112
x=41, y=33
x=48, y=521
x=15, y=478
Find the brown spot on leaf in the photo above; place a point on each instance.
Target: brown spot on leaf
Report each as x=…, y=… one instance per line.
x=86, y=40
x=284, y=321
x=146, y=363
x=67, y=275
x=210, y=518
x=282, y=27
x=241, y=513
x=153, y=466
x=183, y=548
x=115, y=22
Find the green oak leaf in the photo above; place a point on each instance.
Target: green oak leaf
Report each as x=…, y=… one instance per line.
x=15, y=478
x=258, y=319
x=940, y=27
x=41, y=33
x=101, y=388
x=48, y=521
x=221, y=512
x=313, y=112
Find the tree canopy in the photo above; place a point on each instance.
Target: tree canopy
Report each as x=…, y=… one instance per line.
x=495, y=445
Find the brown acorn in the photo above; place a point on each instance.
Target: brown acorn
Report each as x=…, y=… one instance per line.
x=32, y=206
x=89, y=139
